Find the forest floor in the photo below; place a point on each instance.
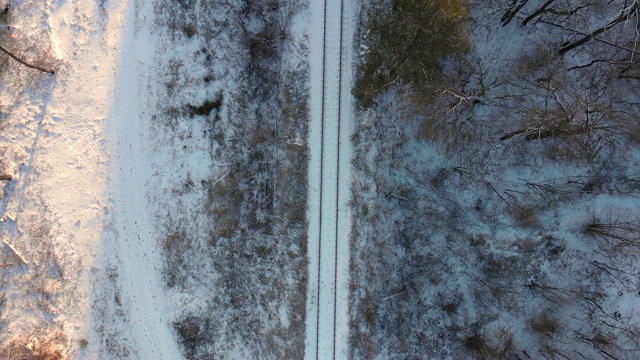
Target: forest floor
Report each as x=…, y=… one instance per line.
x=496, y=193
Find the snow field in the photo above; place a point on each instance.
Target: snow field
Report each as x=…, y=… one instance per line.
x=93, y=165
x=136, y=236
x=66, y=222
x=61, y=185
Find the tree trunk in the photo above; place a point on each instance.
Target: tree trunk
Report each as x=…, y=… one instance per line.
x=36, y=67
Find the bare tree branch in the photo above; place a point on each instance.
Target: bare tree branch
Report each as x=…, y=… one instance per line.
x=583, y=33
x=577, y=67
x=36, y=67
x=623, y=16
x=538, y=12
x=515, y=8
x=563, y=131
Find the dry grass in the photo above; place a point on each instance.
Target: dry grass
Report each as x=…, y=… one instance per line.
x=42, y=344
x=476, y=344
x=189, y=30
x=254, y=206
x=546, y=324
x=175, y=245
x=618, y=234
x=553, y=294
x=207, y=107
x=525, y=215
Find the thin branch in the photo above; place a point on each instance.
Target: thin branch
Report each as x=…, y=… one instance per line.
x=563, y=131
x=514, y=133
x=577, y=67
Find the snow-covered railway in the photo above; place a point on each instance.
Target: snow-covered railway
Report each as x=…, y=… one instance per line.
x=327, y=317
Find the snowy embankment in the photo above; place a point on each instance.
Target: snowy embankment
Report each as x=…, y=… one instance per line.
x=94, y=150
x=88, y=283
x=135, y=242
x=329, y=177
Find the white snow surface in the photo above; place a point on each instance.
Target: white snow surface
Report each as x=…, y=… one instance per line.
x=136, y=244
x=329, y=177
x=86, y=168
x=91, y=130
x=106, y=167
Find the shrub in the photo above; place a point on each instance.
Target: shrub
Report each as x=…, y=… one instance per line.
x=207, y=107
x=622, y=234
x=525, y=215
x=545, y=324
x=189, y=30
x=190, y=332
x=476, y=344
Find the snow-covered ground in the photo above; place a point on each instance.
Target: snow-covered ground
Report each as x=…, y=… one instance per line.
x=78, y=205
x=470, y=244
x=345, y=178
x=329, y=177
x=54, y=141
x=118, y=172
x=135, y=244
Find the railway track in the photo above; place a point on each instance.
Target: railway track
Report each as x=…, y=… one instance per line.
x=328, y=176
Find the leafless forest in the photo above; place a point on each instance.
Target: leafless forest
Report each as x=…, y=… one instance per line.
x=497, y=180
